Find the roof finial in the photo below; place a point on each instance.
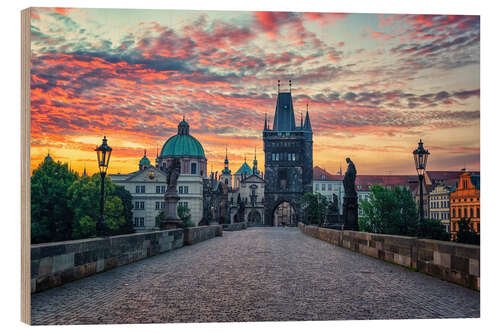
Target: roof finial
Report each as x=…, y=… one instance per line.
x=144, y=152
x=301, y=122
x=290, y=85
x=255, y=152
x=278, y=86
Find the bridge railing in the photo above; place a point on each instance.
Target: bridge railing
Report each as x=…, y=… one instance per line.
x=53, y=264
x=449, y=261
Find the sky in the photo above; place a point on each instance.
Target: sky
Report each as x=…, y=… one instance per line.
x=375, y=84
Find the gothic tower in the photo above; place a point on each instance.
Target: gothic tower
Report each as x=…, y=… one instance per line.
x=288, y=161
x=226, y=177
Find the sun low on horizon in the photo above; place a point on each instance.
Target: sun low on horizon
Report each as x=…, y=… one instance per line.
x=374, y=85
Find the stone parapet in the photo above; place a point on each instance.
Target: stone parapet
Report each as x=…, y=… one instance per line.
x=234, y=226
x=53, y=264
x=199, y=234
x=449, y=261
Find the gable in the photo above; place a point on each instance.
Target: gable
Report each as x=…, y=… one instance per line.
x=143, y=176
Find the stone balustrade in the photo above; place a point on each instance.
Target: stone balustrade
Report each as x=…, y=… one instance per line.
x=449, y=261
x=235, y=226
x=53, y=264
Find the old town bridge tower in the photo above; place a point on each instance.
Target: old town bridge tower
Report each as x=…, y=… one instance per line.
x=288, y=163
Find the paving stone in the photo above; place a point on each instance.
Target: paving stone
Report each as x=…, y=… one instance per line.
x=258, y=274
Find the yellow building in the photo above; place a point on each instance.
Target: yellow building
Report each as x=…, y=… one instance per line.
x=465, y=202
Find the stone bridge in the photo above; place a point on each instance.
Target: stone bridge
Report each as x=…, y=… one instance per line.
x=257, y=274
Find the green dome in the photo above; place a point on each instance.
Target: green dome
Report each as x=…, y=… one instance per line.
x=48, y=158
x=144, y=161
x=182, y=144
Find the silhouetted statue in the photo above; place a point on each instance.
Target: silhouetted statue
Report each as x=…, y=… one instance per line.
x=350, y=179
x=173, y=172
x=350, y=205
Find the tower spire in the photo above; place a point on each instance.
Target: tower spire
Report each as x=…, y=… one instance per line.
x=265, y=121
x=278, y=86
x=301, y=122
x=290, y=85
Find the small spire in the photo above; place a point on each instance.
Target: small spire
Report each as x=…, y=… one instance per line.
x=278, y=86
x=290, y=85
x=254, y=152
x=301, y=122
x=144, y=152
x=265, y=121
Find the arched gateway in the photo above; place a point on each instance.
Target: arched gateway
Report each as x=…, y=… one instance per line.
x=284, y=215
x=288, y=160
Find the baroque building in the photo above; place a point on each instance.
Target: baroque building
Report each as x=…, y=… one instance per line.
x=288, y=152
x=465, y=202
x=148, y=184
x=439, y=204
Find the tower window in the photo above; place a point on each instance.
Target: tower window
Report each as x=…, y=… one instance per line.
x=193, y=168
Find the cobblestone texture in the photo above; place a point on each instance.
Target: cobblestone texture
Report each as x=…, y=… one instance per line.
x=259, y=274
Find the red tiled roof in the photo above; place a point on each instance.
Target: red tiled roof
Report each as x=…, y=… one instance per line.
x=318, y=174
x=448, y=177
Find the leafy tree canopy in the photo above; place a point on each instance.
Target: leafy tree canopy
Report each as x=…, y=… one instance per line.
x=84, y=199
x=466, y=233
x=315, y=208
x=51, y=217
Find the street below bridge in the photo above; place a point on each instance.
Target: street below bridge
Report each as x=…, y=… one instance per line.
x=258, y=274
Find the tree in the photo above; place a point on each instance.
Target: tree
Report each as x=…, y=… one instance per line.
x=84, y=196
x=315, y=208
x=434, y=229
x=184, y=214
x=126, y=198
x=389, y=211
x=466, y=233
x=51, y=217
x=393, y=212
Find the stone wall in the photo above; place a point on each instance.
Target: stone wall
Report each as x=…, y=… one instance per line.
x=234, y=226
x=53, y=264
x=458, y=263
x=199, y=234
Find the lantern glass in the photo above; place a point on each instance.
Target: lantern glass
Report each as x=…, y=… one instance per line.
x=103, y=156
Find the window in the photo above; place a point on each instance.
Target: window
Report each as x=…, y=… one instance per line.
x=289, y=156
x=141, y=221
x=181, y=189
x=139, y=205
x=323, y=187
x=143, y=189
x=273, y=157
x=158, y=189
x=293, y=157
x=329, y=187
x=136, y=221
x=137, y=189
x=186, y=190
x=163, y=189
x=193, y=168
x=157, y=205
x=226, y=181
x=477, y=211
x=317, y=187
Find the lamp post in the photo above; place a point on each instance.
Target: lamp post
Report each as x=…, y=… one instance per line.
x=103, y=156
x=420, y=156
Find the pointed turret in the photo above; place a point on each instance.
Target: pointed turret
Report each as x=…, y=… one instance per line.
x=255, y=171
x=226, y=170
x=265, y=122
x=284, y=117
x=307, y=123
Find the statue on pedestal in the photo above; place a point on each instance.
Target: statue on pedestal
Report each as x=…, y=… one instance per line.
x=172, y=220
x=350, y=205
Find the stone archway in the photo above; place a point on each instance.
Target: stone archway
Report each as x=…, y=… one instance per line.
x=284, y=215
x=254, y=217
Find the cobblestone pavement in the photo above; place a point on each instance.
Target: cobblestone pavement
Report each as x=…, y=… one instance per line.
x=259, y=274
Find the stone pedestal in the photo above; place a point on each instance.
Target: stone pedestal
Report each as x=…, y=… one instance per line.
x=350, y=213
x=171, y=220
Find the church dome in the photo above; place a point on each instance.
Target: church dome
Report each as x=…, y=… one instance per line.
x=182, y=144
x=48, y=158
x=144, y=160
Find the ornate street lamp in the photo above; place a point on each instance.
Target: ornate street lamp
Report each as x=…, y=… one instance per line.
x=420, y=156
x=103, y=156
